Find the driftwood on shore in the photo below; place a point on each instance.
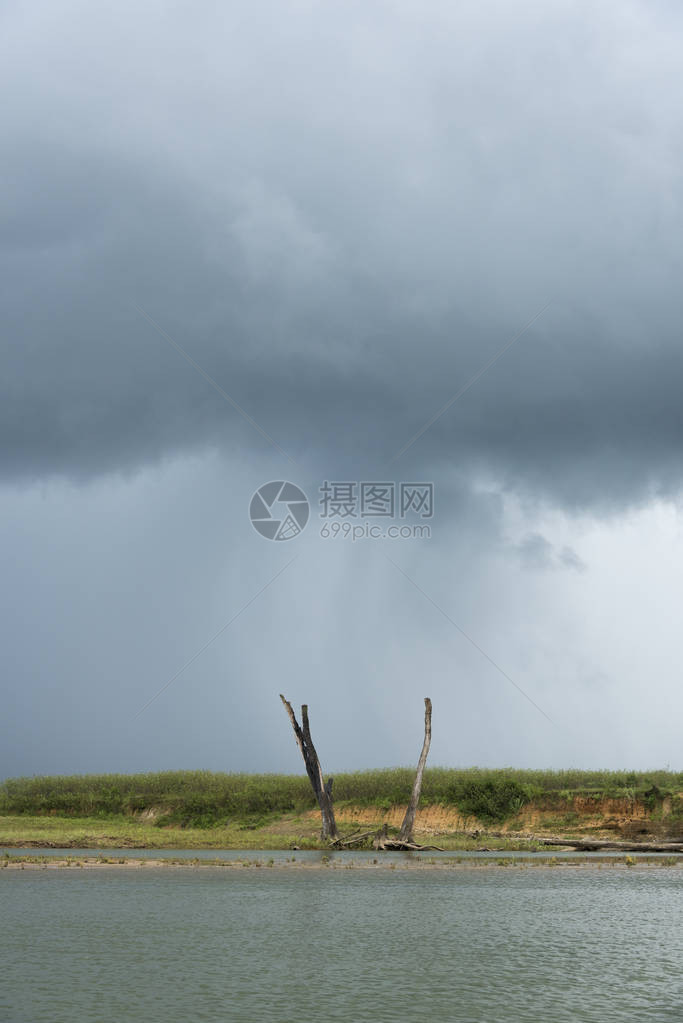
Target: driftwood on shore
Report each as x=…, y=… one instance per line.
x=598, y=845
x=385, y=843
x=382, y=842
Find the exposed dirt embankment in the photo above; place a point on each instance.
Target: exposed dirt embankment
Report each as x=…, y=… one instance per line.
x=437, y=820
x=578, y=815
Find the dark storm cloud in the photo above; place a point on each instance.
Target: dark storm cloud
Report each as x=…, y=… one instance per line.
x=342, y=217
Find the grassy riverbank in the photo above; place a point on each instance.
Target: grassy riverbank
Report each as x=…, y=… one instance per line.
x=125, y=833
x=205, y=798
x=460, y=809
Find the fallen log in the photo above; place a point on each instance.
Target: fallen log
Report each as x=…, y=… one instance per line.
x=396, y=845
x=383, y=843
x=598, y=845
x=353, y=839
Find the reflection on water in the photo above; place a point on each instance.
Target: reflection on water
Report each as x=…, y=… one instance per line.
x=253, y=945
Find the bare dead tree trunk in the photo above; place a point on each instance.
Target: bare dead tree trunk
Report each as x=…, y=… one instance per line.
x=406, y=832
x=322, y=789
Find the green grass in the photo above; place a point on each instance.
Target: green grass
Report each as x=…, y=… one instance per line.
x=203, y=799
x=121, y=832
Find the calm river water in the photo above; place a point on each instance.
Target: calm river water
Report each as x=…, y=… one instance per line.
x=479, y=944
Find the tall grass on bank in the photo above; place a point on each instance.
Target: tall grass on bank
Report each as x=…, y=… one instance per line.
x=204, y=798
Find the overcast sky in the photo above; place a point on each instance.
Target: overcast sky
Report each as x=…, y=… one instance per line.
x=251, y=241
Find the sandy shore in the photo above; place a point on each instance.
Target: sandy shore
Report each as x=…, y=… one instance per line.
x=464, y=863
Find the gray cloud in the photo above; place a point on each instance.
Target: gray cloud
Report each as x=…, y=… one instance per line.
x=537, y=552
x=342, y=260
x=342, y=214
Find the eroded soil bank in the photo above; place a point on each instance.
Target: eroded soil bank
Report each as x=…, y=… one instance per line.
x=578, y=817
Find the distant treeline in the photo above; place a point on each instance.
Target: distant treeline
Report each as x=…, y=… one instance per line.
x=205, y=798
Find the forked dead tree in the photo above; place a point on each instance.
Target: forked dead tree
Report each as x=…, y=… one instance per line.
x=322, y=789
